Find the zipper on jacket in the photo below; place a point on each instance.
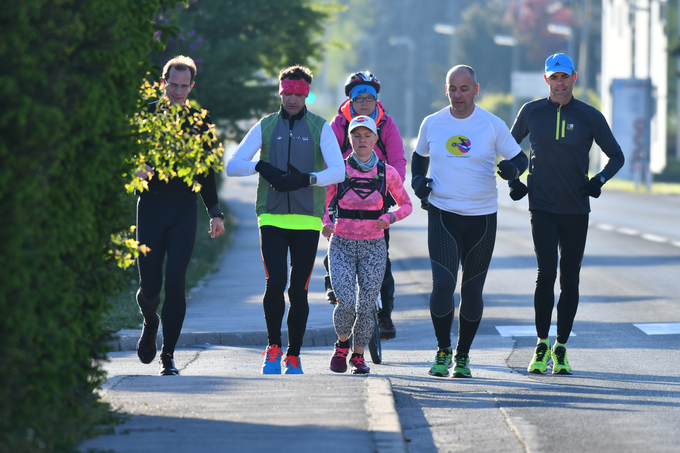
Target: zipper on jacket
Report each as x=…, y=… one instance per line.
x=559, y=129
x=290, y=142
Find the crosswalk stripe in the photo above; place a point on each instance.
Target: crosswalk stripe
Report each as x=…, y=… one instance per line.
x=524, y=331
x=660, y=328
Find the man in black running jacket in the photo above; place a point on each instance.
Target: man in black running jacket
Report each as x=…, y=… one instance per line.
x=561, y=130
x=167, y=223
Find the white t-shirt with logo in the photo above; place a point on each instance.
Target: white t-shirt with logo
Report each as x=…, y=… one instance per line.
x=462, y=156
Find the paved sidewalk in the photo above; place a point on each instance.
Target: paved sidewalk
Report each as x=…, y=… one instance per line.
x=226, y=308
x=220, y=402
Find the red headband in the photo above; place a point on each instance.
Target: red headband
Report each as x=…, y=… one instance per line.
x=294, y=87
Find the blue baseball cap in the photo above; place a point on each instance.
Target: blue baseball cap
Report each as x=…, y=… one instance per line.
x=558, y=62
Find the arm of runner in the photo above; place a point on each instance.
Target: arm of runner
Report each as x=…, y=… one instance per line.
x=240, y=163
x=394, y=147
x=519, y=128
x=605, y=140
x=396, y=187
x=328, y=226
x=335, y=166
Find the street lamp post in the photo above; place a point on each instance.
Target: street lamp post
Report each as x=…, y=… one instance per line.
x=506, y=40
x=447, y=29
x=408, y=93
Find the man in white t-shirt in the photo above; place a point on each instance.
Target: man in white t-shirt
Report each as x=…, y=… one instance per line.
x=461, y=142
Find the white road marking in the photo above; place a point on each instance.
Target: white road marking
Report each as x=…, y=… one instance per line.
x=654, y=238
x=632, y=232
x=524, y=331
x=661, y=328
x=605, y=227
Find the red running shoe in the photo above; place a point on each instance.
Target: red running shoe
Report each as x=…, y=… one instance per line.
x=339, y=360
x=358, y=365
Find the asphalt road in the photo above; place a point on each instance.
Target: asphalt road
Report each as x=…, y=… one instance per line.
x=623, y=396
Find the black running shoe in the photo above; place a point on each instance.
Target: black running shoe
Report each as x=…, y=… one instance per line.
x=167, y=365
x=387, y=329
x=146, y=347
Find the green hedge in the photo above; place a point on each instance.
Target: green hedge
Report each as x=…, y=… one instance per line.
x=69, y=77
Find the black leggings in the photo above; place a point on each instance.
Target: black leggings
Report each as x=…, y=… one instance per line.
x=274, y=245
x=567, y=233
x=453, y=239
x=167, y=225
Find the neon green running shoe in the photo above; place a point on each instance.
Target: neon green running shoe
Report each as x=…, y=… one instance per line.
x=461, y=369
x=559, y=358
x=442, y=363
x=539, y=364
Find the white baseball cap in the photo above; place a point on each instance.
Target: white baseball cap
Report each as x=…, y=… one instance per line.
x=363, y=121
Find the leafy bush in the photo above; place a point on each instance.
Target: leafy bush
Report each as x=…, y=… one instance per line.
x=70, y=76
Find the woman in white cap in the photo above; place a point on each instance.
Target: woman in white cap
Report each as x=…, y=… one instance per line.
x=357, y=251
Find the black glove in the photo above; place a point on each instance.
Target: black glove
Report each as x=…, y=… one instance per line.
x=420, y=186
x=269, y=172
x=507, y=170
x=424, y=204
x=292, y=181
x=517, y=189
x=593, y=187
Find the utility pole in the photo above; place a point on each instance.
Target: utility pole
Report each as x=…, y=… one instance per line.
x=583, y=49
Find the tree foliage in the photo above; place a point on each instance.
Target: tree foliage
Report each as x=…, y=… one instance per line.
x=530, y=19
x=244, y=46
x=69, y=79
x=476, y=47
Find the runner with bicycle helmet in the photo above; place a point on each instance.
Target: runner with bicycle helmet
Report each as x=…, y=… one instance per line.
x=362, y=90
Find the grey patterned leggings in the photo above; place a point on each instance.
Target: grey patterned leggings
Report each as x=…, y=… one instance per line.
x=355, y=261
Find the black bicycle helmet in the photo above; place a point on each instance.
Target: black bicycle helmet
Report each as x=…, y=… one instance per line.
x=361, y=78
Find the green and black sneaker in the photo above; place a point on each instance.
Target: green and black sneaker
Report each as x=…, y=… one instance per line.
x=539, y=364
x=442, y=363
x=461, y=369
x=559, y=358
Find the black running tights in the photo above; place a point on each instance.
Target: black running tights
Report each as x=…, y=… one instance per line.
x=454, y=239
x=566, y=234
x=274, y=244
x=167, y=225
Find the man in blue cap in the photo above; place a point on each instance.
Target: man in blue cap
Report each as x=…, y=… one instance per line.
x=561, y=130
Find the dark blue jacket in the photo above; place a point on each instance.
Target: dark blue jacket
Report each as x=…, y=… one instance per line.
x=561, y=137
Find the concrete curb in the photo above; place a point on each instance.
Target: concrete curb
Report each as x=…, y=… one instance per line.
x=126, y=340
x=383, y=419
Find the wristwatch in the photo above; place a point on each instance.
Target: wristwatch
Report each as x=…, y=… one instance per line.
x=312, y=180
x=220, y=215
x=601, y=178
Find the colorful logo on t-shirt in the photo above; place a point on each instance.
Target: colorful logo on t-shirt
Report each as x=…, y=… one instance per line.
x=458, y=145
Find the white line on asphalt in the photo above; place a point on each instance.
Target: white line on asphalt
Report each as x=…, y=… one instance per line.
x=661, y=328
x=524, y=331
x=654, y=238
x=605, y=227
x=632, y=232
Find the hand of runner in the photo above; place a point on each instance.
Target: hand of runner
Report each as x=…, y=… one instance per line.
x=216, y=227
x=147, y=173
x=327, y=231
